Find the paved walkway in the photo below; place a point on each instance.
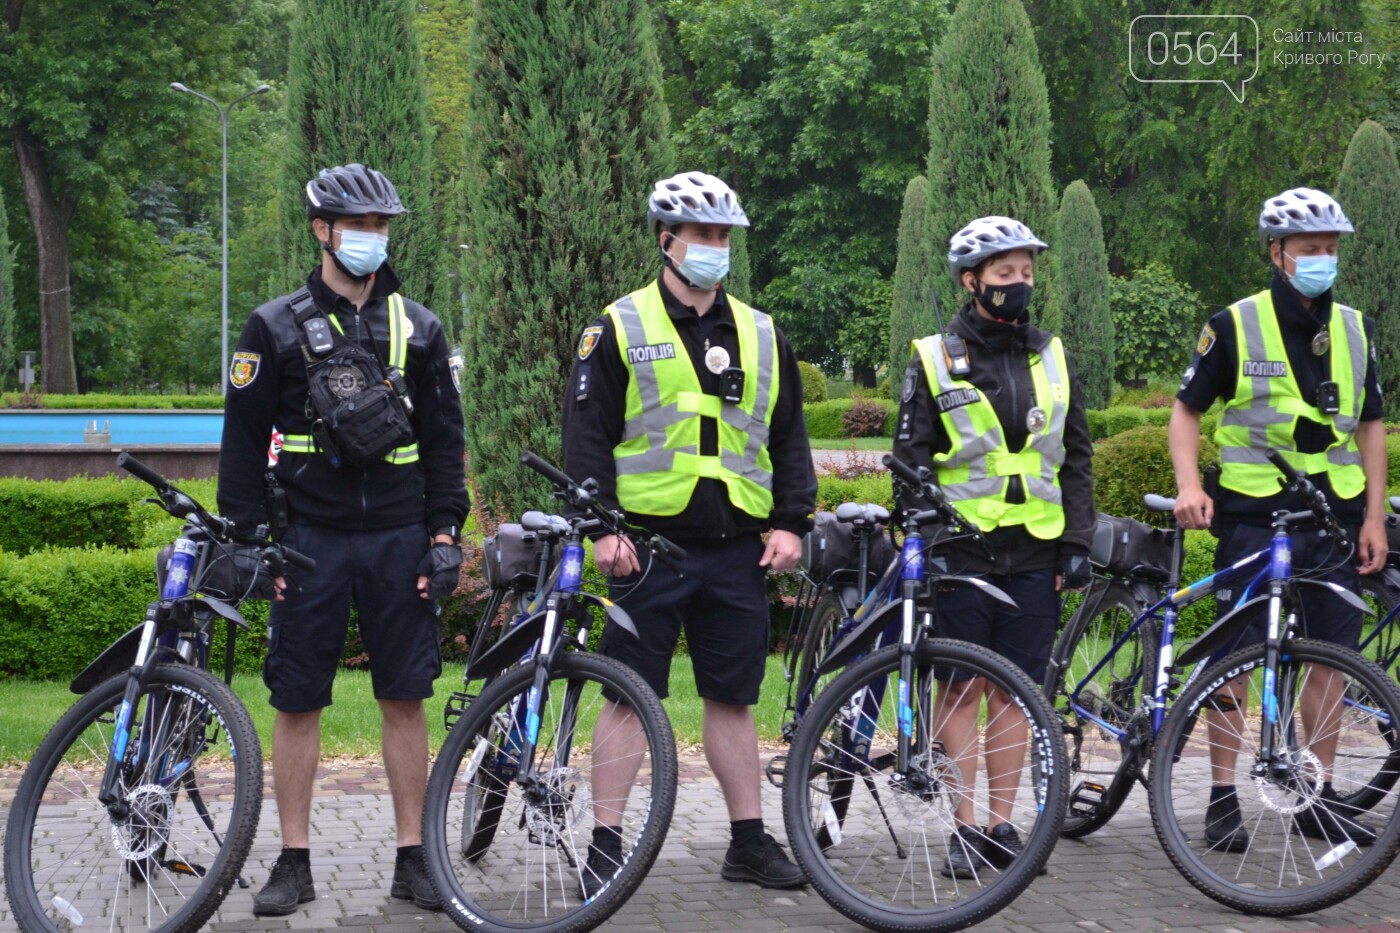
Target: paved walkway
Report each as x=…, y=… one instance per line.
x=1119, y=879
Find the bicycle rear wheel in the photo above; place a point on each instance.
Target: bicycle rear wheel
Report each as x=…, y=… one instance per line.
x=827, y=616
x=1381, y=646
x=882, y=866
x=1295, y=856
x=530, y=876
x=189, y=794
x=1103, y=766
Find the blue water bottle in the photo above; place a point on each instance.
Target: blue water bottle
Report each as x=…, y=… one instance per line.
x=179, y=568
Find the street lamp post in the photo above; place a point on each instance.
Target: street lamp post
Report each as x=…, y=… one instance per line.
x=223, y=266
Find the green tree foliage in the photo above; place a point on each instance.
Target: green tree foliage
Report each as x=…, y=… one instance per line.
x=356, y=93
x=1368, y=267
x=566, y=134
x=85, y=104
x=989, y=126
x=740, y=280
x=7, y=301
x=814, y=111
x=813, y=383
x=917, y=263
x=1154, y=320
x=1078, y=307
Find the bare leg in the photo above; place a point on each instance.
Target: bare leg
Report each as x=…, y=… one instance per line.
x=405, y=744
x=731, y=748
x=296, y=750
x=1225, y=732
x=618, y=746
x=1321, y=709
x=1005, y=754
x=955, y=725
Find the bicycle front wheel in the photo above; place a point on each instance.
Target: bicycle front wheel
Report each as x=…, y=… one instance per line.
x=164, y=853
x=984, y=748
x=1285, y=845
x=603, y=749
x=1106, y=727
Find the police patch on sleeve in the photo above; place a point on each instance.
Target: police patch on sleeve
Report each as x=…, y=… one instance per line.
x=243, y=369
x=454, y=366
x=588, y=341
x=1207, y=340
x=911, y=383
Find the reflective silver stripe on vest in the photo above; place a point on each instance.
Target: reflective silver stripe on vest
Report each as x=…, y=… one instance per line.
x=1348, y=422
x=975, y=446
x=756, y=424
x=1259, y=414
x=1050, y=442
x=654, y=418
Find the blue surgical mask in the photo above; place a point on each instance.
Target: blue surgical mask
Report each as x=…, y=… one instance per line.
x=704, y=265
x=1313, y=275
x=362, y=252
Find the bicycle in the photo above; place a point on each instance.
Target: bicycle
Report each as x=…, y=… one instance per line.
x=138, y=808
x=515, y=757
x=1323, y=715
x=876, y=770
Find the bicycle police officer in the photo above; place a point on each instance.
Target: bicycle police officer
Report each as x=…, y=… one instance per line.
x=1297, y=372
x=361, y=383
x=686, y=405
x=994, y=409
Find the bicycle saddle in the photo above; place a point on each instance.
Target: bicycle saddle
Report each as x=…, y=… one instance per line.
x=867, y=513
x=1156, y=503
x=553, y=526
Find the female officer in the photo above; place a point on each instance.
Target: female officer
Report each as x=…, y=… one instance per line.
x=993, y=408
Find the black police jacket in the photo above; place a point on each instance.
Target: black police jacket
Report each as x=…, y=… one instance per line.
x=595, y=405
x=1000, y=361
x=268, y=388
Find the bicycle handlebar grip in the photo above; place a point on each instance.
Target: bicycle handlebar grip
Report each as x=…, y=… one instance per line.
x=667, y=547
x=901, y=469
x=298, y=559
x=1283, y=465
x=139, y=470
x=546, y=469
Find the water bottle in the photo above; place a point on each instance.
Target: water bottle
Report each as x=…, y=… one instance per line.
x=179, y=568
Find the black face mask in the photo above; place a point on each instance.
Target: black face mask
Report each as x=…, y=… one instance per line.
x=1009, y=304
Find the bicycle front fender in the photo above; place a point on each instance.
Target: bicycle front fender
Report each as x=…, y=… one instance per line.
x=1232, y=624
x=855, y=644
x=511, y=646
x=118, y=657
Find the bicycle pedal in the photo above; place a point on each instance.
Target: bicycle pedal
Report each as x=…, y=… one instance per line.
x=184, y=868
x=776, y=770
x=1086, y=798
x=456, y=705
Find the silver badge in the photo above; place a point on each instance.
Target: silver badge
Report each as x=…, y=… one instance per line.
x=1322, y=342
x=346, y=381
x=716, y=359
x=1035, y=420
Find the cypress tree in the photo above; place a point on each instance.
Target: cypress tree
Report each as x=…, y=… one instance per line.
x=566, y=135
x=737, y=282
x=916, y=266
x=7, y=299
x=1078, y=304
x=356, y=93
x=1368, y=265
x=989, y=127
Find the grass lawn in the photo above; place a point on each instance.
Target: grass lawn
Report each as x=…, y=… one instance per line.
x=844, y=443
x=28, y=709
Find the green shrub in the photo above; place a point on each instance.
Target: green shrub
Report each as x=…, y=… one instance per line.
x=813, y=383
x=1392, y=450
x=1135, y=462
x=824, y=418
x=872, y=487
x=865, y=418
x=1199, y=563
x=44, y=513
x=108, y=402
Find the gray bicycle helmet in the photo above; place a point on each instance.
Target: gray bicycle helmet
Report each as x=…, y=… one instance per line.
x=984, y=238
x=693, y=197
x=350, y=191
x=1301, y=210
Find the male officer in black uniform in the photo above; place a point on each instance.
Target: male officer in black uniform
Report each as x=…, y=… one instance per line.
x=686, y=406
x=362, y=385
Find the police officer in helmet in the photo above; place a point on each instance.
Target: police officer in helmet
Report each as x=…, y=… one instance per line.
x=993, y=408
x=1296, y=370
x=686, y=405
x=361, y=383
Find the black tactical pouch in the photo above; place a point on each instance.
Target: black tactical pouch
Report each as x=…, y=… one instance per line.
x=364, y=423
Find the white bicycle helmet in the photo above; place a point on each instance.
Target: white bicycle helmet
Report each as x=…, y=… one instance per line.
x=694, y=197
x=1301, y=210
x=984, y=238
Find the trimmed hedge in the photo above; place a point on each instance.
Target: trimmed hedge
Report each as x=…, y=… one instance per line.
x=118, y=402
x=1136, y=462
x=44, y=513
x=813, y=383
x=827, y=419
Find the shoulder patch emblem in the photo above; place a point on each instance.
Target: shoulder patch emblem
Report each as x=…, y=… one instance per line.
x=454, y=366
x=911, y=383
x=588, y=341
x=243, y=369
x=1207, y=340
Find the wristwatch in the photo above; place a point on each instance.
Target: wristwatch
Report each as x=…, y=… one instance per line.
x=452, y=531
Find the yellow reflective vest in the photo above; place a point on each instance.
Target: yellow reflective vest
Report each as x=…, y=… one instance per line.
x=1268, y=403
x=658, y=460
x=975, y=472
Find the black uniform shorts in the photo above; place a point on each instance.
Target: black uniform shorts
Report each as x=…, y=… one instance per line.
x=721, y=602
x=1324, y=616
x=1024, y=636
x=376, y=570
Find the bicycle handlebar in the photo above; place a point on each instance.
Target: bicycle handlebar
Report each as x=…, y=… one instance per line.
x=1316, y=501
x=933, y=494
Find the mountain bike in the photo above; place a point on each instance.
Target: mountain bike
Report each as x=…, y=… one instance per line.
x=1284, y=719
x=138, y=809
x=886, y=755
x=511, y=799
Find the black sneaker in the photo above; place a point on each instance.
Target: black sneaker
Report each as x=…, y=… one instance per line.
x=967, y=854
x=413, y=883
x=1332, y=821
x=598, y=871
x=1004, y=846
x=288, y=884
x=764, y=863
x=1225, y=830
